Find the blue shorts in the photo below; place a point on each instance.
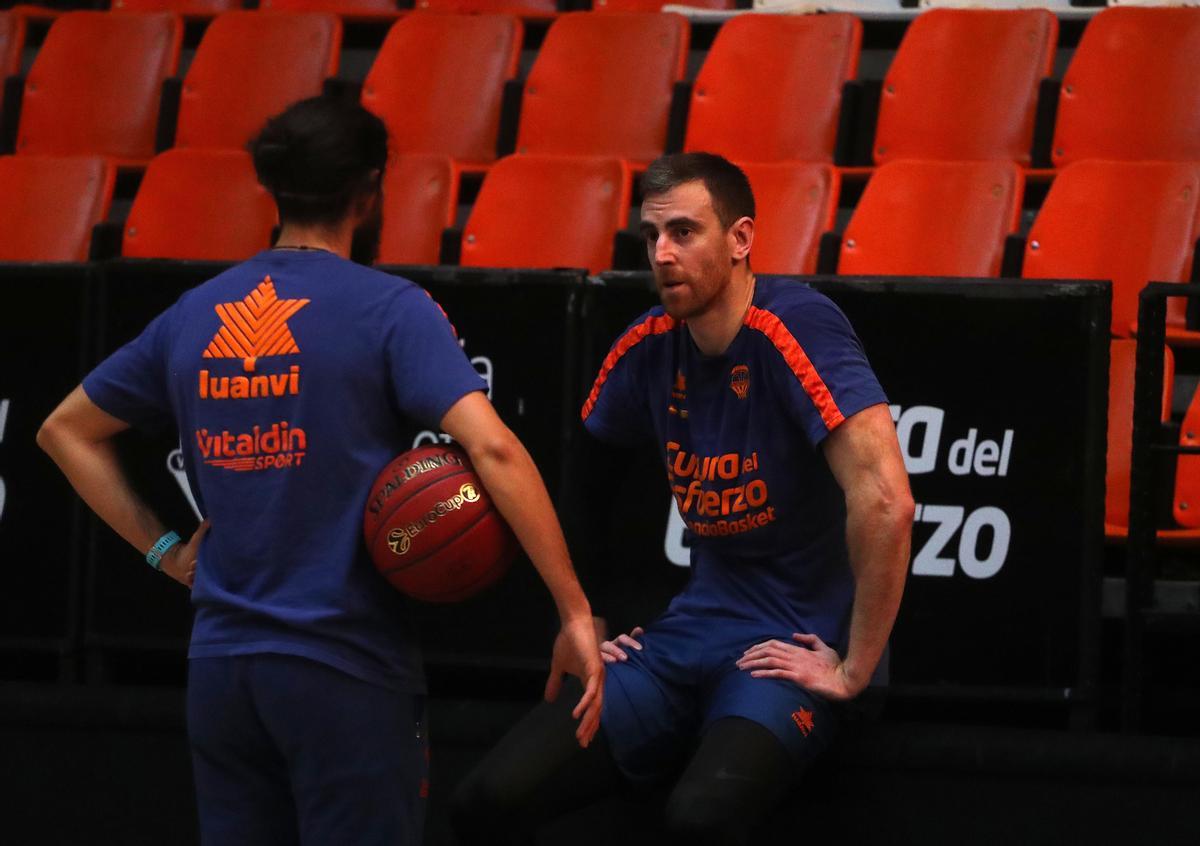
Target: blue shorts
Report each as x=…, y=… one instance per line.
x=659, y=702
x=288, y=751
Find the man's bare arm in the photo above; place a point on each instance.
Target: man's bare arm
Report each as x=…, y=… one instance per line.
x=512, y=480
x=78, y=435
x=865, y=458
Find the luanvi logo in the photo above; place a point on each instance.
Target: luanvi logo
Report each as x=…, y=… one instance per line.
x=678, y=396
x=255, y=327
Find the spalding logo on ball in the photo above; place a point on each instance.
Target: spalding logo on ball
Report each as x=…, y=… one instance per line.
x=431, y=528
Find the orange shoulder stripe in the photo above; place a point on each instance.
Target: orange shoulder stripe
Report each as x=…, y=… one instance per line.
x=777, y=333
x=453, y=328
x=654, y=325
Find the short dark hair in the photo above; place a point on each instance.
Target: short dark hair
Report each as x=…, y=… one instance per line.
x=317, y=156
x=728, y=186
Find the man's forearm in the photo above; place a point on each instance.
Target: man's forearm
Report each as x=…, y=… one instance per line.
x=93, y=470
x=878, y=541
x=513, y=481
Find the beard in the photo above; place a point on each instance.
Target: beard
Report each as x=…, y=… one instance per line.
x=364, y=243
x=697, y=293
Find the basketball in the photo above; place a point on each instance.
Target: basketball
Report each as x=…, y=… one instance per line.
x=431, y=528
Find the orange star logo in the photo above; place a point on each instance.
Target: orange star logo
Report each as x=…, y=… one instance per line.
x=803, y=720
x=255, y=327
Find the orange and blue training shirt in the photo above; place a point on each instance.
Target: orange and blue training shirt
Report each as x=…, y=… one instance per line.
x=291, y=378
x=740, y=435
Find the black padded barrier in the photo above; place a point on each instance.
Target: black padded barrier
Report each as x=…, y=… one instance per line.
x=43, y=340
x=999, y=390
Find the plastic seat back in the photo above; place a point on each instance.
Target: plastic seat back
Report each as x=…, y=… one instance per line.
x=373, y=9
x=1131, y=222
x=1120, y=426
x=96, y=83
x=771, y=87
x=1132, y=90
x=656, y=5
x=1186, y=506
x=49, y=204
x=928, y=218
x=12, y=42
x=420, y=198
x=250, y=66
x=528, y=8
x=200, y=204
x=187, y=8
x=548, y=211
x=602, y=85
x=964, y=85
x=438, y=83
x=795, y=203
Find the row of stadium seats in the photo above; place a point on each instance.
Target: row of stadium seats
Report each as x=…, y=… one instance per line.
x=1184, y=523
x=1131, y=222
x=964, y=84
x=390, y=8
x=543, y=9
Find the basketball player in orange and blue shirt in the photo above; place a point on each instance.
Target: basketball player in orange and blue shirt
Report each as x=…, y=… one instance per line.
x=783, y=461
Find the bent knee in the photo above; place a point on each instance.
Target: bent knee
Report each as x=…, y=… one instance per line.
x=699, y=816
x=484, y=802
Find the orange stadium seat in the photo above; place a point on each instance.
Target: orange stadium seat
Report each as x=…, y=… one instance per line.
x=420, y=198
x=548, y=211
x=1131, y=222
x=1186, y=505
x=358, y=9
x=656, y=5
x=602, y=85
x=249, y=66
x=49, y=204
x=12, y=42
x=795, y=202
x=199, y=204
x=96, y=82
x=1120, y=435
x=1132, y=90
x=438, y=83
x=771, y=87
x=929, y=218
x=964, y=85
x=187, y=8
x=525, y=8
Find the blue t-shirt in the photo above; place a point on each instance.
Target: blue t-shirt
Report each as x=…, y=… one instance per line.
x=740, y=436
x=289, y=377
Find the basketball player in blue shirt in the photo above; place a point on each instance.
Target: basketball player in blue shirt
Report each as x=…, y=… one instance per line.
x=288, y=377
x=783, y=461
